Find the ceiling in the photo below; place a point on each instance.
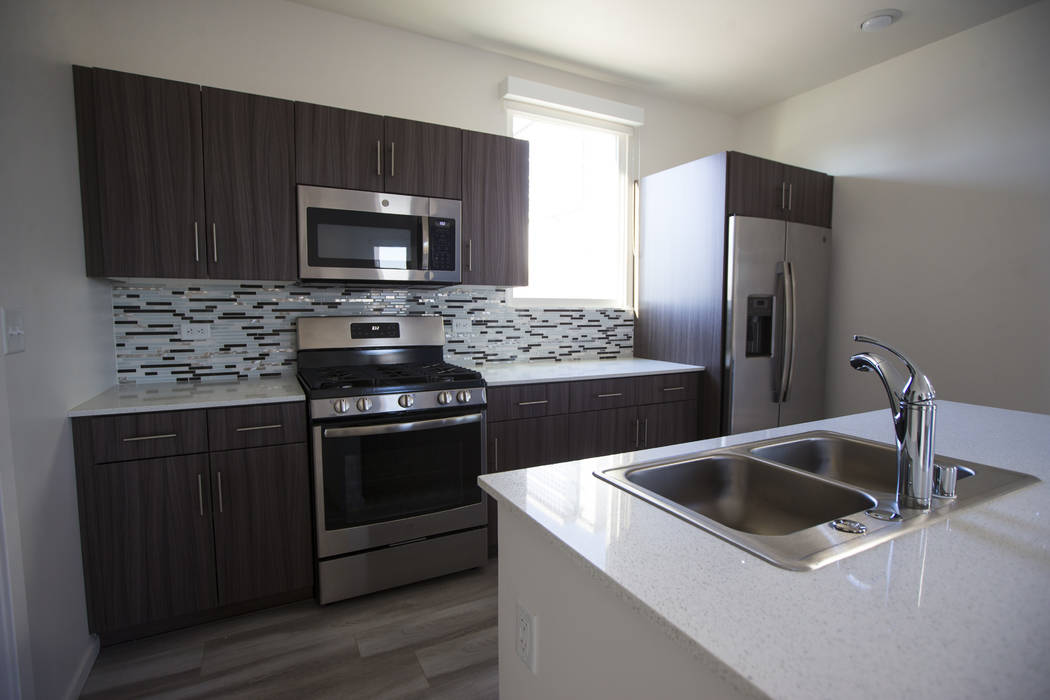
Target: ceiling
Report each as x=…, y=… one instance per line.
x=729, y=55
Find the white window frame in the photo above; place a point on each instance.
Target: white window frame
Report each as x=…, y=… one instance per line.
x=629, y=177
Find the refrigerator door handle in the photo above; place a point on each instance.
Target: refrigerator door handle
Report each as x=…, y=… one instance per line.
x=785, y=342
x=790, y=325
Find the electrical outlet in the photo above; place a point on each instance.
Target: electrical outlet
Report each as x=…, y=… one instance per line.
x=461, y=325
x=195, y=331
x=526, y=643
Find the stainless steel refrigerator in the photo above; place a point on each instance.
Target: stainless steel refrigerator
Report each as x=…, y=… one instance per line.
x=776, y=323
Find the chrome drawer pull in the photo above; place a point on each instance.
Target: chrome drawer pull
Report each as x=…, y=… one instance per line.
x=200, y=493
x=674, y=388
x=609, y=396
x=260, y=427
x=150, y=437
x=532, y=403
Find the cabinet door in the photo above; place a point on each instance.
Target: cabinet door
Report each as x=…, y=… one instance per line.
x=669, y=423
x=422, y=159
x=524, y=443
x=149, y=189
x=755, y=187
x=262, y=522
x=809, y=196
x=153, y=540
x=250, y=186
x=495, y=210
x=596, y=433
x=338, y=148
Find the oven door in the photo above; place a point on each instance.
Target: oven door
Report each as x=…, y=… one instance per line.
x=382, y=483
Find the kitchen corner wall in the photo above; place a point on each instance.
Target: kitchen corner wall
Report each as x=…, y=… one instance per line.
x=252, y=326
x=941, y=160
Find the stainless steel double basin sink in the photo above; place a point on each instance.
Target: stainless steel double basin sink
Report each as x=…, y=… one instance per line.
x=803, y=501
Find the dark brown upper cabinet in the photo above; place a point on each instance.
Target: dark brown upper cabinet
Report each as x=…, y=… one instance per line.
x=172, y=187
x=338, y=148
x=424, y=159
x=249, y=186
x=771, y=190
x=141, y=174
x=359, y=151
x=495, y=210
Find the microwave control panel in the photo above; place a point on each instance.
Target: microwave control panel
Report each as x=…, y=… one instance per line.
x=442, y=244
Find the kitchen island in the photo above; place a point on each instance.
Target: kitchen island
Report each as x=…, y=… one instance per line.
x=630, y=601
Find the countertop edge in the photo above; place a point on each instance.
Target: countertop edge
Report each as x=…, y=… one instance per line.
x=616, y=369
x=184, y=406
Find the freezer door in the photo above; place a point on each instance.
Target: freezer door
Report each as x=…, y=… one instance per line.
x=755, y=247
x=809, y=252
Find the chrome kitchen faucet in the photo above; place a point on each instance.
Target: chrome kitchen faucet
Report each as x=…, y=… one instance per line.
x=911, y=404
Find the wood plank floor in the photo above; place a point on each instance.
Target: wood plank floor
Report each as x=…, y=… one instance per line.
x=435, y=639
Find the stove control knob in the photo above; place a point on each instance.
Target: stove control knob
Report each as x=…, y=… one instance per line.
x=364, y=404
x=445, y=398
x=406, y=400
x=463, y=396
x=341, y=405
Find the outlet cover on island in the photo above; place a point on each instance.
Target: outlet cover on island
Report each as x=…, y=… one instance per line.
x=526, y=638
x=195, y=331
x=12, y=331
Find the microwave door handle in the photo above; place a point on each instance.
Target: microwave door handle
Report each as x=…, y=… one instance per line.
x=358, y=431
x=425, y=262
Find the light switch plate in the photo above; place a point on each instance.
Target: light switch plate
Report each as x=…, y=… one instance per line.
x=12, y=328
x=461, y=325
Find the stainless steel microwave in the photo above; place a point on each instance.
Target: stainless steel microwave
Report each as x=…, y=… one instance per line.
x=357, y=236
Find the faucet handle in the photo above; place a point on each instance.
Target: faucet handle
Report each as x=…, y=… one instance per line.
x=918, y=389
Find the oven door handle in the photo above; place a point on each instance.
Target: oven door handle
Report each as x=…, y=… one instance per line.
x=357, y=431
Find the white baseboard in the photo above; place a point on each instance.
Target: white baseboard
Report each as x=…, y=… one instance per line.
x=87, y=662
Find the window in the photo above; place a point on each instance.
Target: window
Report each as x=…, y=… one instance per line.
x=579, y=209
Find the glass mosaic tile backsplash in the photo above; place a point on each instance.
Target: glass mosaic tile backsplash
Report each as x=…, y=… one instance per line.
x=252, y=326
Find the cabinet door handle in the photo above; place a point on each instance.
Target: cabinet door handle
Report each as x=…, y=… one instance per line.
x=495, y=454
x=220, y=491
x=196, y=244
x=379, y=157
x=214, y=243
x=532, y=403
x=200, y=493
x=637, y=426
x=645, y=433
x=791, y=190
x=392, y=145
x=259, y=427
x=609, y=396
x=470, y=256
x=783, y=195
x=150, y=437
x=674, y=388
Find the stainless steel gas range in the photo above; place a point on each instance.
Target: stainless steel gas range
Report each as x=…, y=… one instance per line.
x=398, y=443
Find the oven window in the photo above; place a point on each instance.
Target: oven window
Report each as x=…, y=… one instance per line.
x=354, y=239
x=373, y=478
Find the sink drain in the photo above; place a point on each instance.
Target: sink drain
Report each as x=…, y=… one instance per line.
x=850, y=526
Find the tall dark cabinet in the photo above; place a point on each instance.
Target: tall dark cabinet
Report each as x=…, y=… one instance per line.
x=682, y=254
x=495, y=210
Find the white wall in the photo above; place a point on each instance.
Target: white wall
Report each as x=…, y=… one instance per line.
x=262, y=46
x=941, y=210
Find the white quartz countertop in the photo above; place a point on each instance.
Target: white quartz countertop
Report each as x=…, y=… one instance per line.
x=958, y=609
x=177, y=396
x=536, y=372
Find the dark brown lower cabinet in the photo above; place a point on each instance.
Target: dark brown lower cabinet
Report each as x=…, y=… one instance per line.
x=180, y=539
x=668, y=423
x=596, y=433
x=262, y=522
x=152, y=535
